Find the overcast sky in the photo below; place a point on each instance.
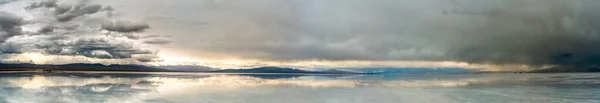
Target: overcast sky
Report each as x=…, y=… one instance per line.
x=302, y=33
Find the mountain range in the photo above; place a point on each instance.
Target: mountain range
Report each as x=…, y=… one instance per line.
x=142, y=68
x=79, y=67
x=272, y=69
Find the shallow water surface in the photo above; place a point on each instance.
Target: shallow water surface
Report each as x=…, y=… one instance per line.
x=108, y=87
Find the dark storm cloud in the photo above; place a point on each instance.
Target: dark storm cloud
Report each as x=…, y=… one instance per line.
x=155, y=36
x=44, y=3
x=147, y=58
x=10, y=25
x=157, y=41
x=93, y=47
x=47, y=29
x=131, y=36
x=124, y=26
x=8, y=48
x=63, y=8
x=534, y=32
x=77, y=11
x=66, y=12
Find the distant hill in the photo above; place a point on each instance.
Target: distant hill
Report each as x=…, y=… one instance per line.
x=335, y=71
x=264, y=70
x=79, y=67
x=188, y=68
x=283, y=70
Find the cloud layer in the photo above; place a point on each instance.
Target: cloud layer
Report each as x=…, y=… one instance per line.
x=10, y=25
x=534, y=32
x=93, y=47
x=80, y=28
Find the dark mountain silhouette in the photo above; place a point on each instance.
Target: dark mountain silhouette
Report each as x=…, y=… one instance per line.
x=283, y=70
x=264, y=70
x=272, y=76
x=79, y=67
x=188, y=68
x=335, y=71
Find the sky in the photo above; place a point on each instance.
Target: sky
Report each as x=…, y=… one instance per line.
x=495, y=35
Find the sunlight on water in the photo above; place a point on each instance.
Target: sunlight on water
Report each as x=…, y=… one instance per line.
x=107, y=87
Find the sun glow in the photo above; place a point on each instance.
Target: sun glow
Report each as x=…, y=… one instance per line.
x=221, y=63
x=305, y=64
x=316, y=64
x=35, y=57
x=31, y=57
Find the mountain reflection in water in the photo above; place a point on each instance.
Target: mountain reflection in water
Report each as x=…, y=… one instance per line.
x=110, y=87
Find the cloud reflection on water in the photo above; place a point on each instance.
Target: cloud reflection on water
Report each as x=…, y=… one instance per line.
x=187, y=87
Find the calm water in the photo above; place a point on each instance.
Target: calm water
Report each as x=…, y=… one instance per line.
x=94, y=87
